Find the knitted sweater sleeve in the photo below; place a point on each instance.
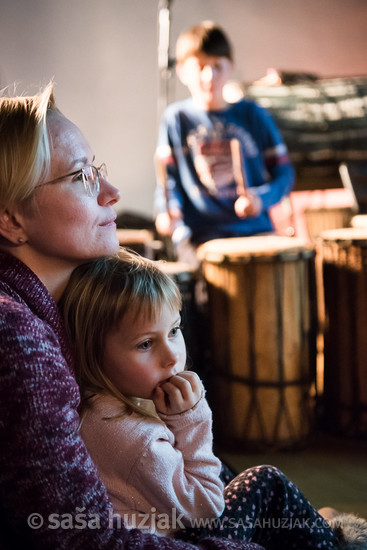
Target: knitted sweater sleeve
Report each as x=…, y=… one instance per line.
x=45, y=469
x=51, y=494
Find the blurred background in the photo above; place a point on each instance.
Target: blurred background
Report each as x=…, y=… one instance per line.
x=103, y=59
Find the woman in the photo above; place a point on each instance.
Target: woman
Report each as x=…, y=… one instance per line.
x=56, y=212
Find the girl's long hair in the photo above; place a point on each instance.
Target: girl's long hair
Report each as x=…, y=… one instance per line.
x=95, y=301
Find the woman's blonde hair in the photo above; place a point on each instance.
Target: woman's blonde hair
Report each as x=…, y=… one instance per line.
x=24, y=144
x=95, y=301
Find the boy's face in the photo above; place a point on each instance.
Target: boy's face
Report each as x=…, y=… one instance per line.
x=205, y=77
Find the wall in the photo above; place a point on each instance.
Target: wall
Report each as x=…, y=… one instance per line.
x=102, y=55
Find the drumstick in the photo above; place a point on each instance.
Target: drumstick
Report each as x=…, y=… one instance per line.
x=161, y=170
x=238, y=168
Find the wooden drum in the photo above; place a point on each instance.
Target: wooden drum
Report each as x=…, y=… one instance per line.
x=187, y=280
x=263, y=339
x=322, y=219
x=360, y=220
x=139, y=240
x=344, y=267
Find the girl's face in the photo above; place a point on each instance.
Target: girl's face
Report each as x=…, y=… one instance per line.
x=67, y=226
x=141, y=355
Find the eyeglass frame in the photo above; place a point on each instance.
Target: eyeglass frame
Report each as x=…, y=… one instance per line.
x=86, y=185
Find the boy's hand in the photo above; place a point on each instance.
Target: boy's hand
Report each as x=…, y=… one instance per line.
x=166, y=222
x=179, y=394
x=248, y=206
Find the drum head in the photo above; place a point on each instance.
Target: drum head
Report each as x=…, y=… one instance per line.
x=359, y=221
x=179, y=271
x=242, y=248
x=345, y=234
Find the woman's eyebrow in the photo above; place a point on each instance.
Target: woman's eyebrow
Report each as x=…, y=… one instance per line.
x=82, y=161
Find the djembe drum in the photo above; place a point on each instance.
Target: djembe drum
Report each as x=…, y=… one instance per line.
x=323, y=219
x=139, y=240
x=344, y=267
x=360, y=220
x=263, y=339
x=187, y=279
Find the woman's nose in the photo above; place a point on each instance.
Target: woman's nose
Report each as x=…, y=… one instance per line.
x=108, y=194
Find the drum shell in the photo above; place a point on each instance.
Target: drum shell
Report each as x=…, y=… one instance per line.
x=263, y=328
x=195, y=334
x=344, y=268
x=139, y=240
x=322, y=219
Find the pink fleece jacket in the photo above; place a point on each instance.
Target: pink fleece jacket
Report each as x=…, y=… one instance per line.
x=160, y=473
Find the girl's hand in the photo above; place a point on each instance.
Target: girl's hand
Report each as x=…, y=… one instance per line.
x=179, y=394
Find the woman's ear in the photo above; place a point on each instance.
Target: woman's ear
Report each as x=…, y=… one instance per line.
x=10, y=228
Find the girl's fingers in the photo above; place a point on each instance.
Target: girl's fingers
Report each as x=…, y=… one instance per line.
x=160, y=399
x=184, y=378
x=180, y=393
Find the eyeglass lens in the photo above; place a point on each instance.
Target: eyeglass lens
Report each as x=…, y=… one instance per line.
x=91, y=176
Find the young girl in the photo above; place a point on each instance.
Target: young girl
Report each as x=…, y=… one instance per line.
x=147, y=424
x=124, y=317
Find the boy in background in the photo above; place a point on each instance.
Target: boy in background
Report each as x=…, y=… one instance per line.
x=220, y=166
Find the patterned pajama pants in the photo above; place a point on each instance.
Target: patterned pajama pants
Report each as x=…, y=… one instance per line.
x=262, y=505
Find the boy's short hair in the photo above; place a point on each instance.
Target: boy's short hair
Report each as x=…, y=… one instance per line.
x=207, y=38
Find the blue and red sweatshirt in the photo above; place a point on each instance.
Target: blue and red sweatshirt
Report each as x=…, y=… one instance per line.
x=194, y=147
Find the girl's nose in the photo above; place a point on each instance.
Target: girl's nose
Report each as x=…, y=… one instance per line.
x=169, y=357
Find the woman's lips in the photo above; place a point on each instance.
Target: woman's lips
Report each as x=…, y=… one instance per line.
x=108, y=223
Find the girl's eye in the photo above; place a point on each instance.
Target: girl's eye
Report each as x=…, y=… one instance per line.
x=147, y=344
x=176, y=330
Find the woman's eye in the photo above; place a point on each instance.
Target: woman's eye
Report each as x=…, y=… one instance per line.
x=147, y=344
x=78, y=176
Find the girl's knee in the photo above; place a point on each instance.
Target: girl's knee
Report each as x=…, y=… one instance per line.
x=263, y=475
x=265, y=471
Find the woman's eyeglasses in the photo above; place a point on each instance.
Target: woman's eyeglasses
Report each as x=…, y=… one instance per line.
x=89, y=175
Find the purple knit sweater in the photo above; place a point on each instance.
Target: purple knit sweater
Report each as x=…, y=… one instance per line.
x=45, y=468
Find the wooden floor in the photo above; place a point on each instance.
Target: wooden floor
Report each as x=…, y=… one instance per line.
x=331, y=471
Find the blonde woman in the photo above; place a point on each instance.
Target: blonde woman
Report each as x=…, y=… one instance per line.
x=56, y=212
